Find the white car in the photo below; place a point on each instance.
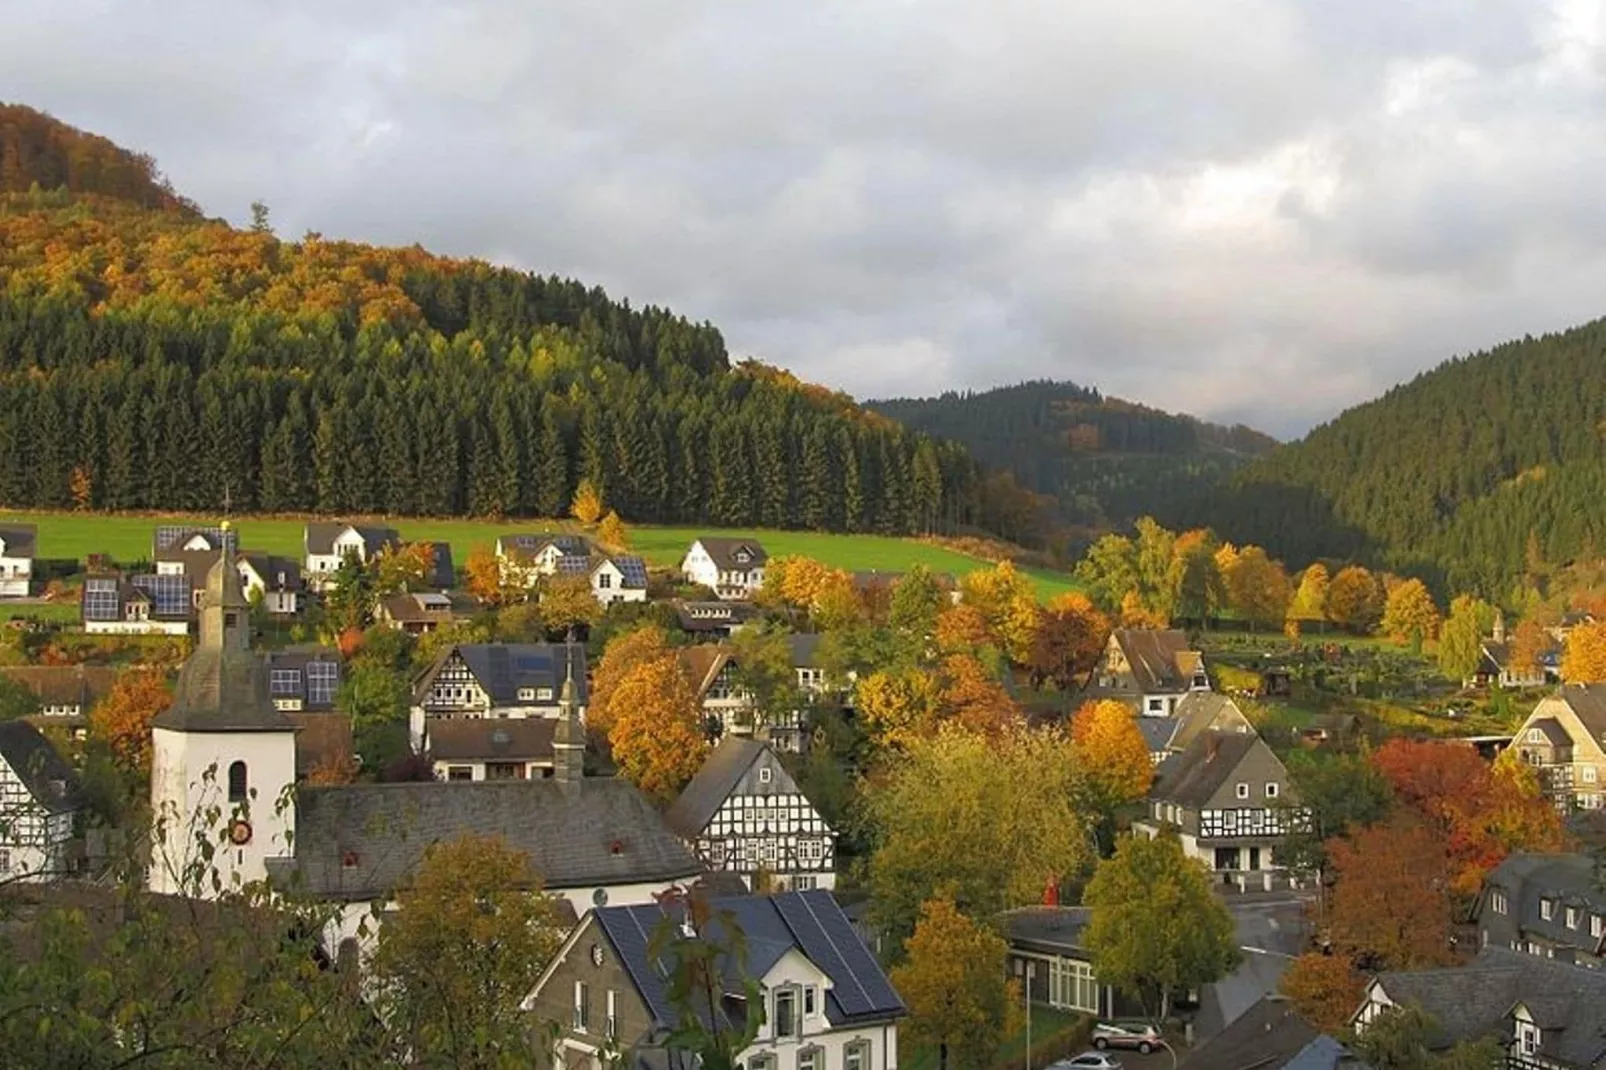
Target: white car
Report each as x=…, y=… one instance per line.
x=1088, y=1060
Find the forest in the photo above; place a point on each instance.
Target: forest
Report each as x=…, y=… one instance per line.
x=1478, y=474
x=152, y=359
x=1104, y=460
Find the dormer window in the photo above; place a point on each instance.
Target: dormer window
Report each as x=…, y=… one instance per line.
x=1243, y=791
x=1571, y=919
x=526, y=694
x=786, y=1000
x=543, y=693
x=1547, y=909
x=1497, y=901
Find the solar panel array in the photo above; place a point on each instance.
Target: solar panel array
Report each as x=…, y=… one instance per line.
x=170, y=595
x=100, y=599
x=630, y=928
x=284, y=682
x=829, y=941
x=573, y=565
x=322, y=679
x=170, y=534
x=633, y=568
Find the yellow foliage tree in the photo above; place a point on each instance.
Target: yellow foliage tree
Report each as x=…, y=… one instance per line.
x=567, y=601
x=587, y=505
x=123, y=718
x=898, y=708
x=1112, y=751
x=1310, y=601
x=1258, y=588
x=1008, y=603
x=657, y=731
x=483, y=574
x=1409, y=615
x=612, y=534
x=1583, y=659
x=954, y=985
x=407, y=567
x=1134, y=614
x=623, y=653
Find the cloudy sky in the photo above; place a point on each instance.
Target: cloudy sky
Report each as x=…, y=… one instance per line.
x=1259, y=210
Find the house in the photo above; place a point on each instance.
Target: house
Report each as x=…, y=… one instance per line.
x=276, y=580
x=303, y=679
x=443, y=573
x=712, y=671
x=1495, y=667
x=1544, y=904
x=1271, y=1035
x=17, y=542
x=743, y=813
x=223, y=761
x=66, y=693
x=713, y=620
x=1198, y=712
x=828, y=1005
x=1152, y=668
x=1048, y=957
x=325, y=545
x=732, y=568
x=146, y=604
x=874, y=583
x=1564, y=739
x=189, y=537
x=526, y=557
x=499, y=680
x=1545, y=1013
x=1227, y=795
x=39, y=798
x=621, y=578
x=416, y=614
x=490, y=750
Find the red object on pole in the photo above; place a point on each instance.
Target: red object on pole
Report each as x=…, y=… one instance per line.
x=1051, y=893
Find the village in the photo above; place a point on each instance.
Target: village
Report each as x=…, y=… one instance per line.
x=942, y=814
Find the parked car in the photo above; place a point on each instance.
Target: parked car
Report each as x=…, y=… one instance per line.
x=1088, y=1060
x=1140, y=1036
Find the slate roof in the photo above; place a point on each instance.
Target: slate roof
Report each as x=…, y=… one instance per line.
x=48, y=778
x=1156, y=732
x=320, y=536
x=805, y=649
x=1564, y=879
x=1324, y=1053
x=702, y=664
x=444, y=577
x=1588, y=701
x=503, y=668
x=599, y=831
x=528, y=544
x=1157, y=658
x=1052, y=930
x=298, y=658
x=169, y=535
x=633, y=569
x=20, y=539
x=526, y=739
x=1554, y=732
x=1195, y=775
x=811, y=922
x=1266, y=1036
x=65, y=685
x=413, y=608
x=1197, y=712
x=707, y=791
x=723, y=553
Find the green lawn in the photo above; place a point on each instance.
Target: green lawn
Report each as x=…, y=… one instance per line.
x=58, y=612
x=128, y=538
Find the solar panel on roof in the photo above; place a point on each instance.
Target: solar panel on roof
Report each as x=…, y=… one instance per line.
x=100, y=599
x=529, y=663
x=827, y=953
x=322, y=677
x=634, y=570
x=573, y=565
x=170, y=595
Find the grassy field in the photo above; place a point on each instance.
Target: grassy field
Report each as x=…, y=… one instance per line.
x=127, y=538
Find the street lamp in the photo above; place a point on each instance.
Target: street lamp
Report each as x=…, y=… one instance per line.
x=1028, y=1000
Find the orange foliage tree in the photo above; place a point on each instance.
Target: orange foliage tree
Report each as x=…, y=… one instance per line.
x=623, y=654
x=1071, y=634
x=483, y=574
x=974, y=699
x=1325, y=989
x=657, y=731
x=1529, y=643
x=1112, y=751
x=123, y=718
x=1583, y=659
x=962, y=629
x=1391, y=908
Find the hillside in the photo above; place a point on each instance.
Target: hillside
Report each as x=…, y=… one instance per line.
x=151, y=359
x=1477, y=472
x=1106, y=461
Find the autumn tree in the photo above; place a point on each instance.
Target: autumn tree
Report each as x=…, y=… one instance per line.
x=567, y=602
x=587, y=504
x=1198, y=589
x=991, y=822
x=763, y=657
x=612, y=533
x=974, y=699
x=1008, y=603
x=656, y=734
x=465, y=945
x=623, y=653
x=1156, y=927
x=1258, y=588
x=1355, y=600
x=1134, y=614
x=1409, y=615
x=122, y=720
x=408, y=567
x=898, y=708
x=1461, y=637
x=1583, y=658
x=1324, y=989
x=1408, y=1038
x=82, y=489
x=1530, y=642
x=1071, y=635
x=912, y=613
x=1113, y=752
x=1310, y=600
x=1391, y=907
x=1333, y=794
x=953, y=982
x=1109, y=571
x=484, y=576
x=963, y=629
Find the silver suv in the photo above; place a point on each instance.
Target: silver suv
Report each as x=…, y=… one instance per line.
x=1139, y=1036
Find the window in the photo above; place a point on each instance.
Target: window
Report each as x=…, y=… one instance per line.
x=1547, y=909
x=1071, y=986
x=526, y=694
x=1243, y=791
x=810, y=1059
x=582, y=1006
x=238, y=785
x=1271, y=791
x=604, y=580
x=761, y=1062
x=765, y=776
x=1589, y=774
x=856, y=1056
x=543, y=693
x=1536, y=735
x=808, y=1001
x=459, y=772
x=610, y=1027
x=1572, y=917
x=1597, y=925
x=284, y=682
x=785, y=1013
x=805, y=882
x=1497, y=901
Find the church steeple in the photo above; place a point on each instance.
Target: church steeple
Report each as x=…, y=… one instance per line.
x=569, y=741
x=225, y=611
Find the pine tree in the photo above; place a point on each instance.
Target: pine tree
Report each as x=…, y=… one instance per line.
x=550, y=468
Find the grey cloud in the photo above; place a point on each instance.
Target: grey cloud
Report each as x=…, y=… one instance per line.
x=1252, y=209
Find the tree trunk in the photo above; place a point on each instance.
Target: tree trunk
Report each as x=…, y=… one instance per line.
x=942, y=1056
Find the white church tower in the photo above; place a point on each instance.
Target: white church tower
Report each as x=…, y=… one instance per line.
x=223, y=764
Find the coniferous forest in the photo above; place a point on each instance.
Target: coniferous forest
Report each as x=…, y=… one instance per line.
x=152, y=359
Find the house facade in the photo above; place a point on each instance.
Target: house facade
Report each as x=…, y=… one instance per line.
x=1548, y=905
x=620, y=578
x=525, y=557
x=1153, y=669
x=1228, y=798
x=144, y=604
x=1564, y=739
x=326, y=545
x=1048, y=959
x=732, y=568
x=39, y=799
x=469, y=750
x=1196, y=713
x=417, y=613
x=275, y=580
x=17, y=549
x=828, y=1005
x=713, y=621
x=500, y=680
x=743, y=813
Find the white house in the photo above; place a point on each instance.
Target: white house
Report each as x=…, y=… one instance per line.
x=622, y=578
x=828, y=1005
x=744, y=814
x=276, y=580
x=732, y=568
x=478, y=749
x=326, y=545
x=525, y=557
x=1151, y=669
x=16, y=559
x=39, y=797
x=147, y=604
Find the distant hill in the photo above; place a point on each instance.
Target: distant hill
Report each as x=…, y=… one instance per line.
x=1487, y=468
x=153, y=359
x=1106, y=461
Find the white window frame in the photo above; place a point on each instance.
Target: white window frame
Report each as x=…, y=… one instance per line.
x=1497, y=901
x=610, y=1025
x=1272, y=790
x=1243, y=790
x=1597, y=925
x=1547, y=909
x=856, y=1055
x=1570, y=917
x=765, y=775
x=793, y=997
x=1589, y=774
x=582, y=1007
x=526, y=694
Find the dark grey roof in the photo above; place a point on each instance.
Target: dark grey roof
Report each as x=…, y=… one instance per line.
x=805, y=649
x=444, y=577
x=1195, y=775
x=1153, y=654
x=503, y=668
x=601, y=831
x=528, y=544
x=1157, y=732
x=1324, y=1053
x=713, y=784
x=572, y=565
x=65, y=685
x=298, y=659
x=168, y=535
x=526, y=739
x=1198, y=712
x=713, y=616
x=634, y=570
x=724, y=551
x=1554, y=732
x=1566, y=880
x=320, y=536
x=812, y=922
x=20, y=539
x=1265, y=1037
x=48, y=778
x=1588, y=701
x=1052, y=930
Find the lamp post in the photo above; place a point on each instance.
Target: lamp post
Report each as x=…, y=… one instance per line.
x=1028, y=999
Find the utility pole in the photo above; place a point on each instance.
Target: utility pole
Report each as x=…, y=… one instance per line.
x=1028, y=990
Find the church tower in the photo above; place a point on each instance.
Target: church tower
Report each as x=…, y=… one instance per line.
x=569, y=741
x=223, y=759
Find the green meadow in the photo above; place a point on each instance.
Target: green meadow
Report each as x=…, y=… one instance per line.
x=127, y=538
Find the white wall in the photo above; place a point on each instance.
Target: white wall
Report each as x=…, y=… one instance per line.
x=15, y=572
x=137, y=627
